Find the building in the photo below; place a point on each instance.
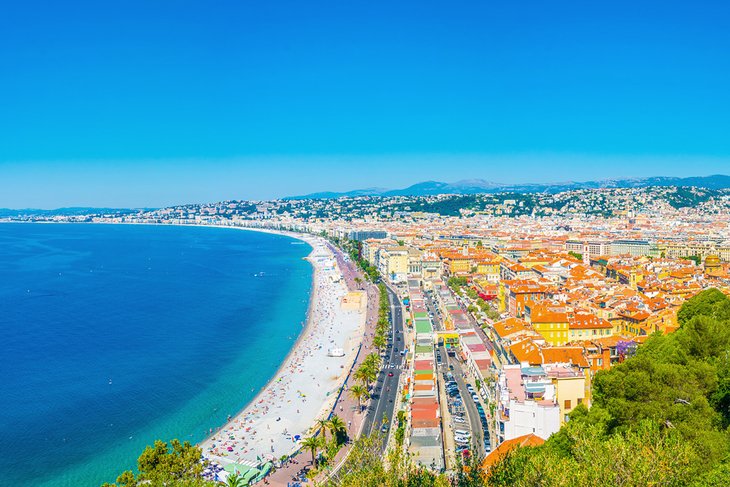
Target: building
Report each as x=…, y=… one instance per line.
x=549, y=321
x=526, y=403
x=587, y=326
x=635, y=248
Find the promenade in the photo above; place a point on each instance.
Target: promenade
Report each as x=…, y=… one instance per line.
x=346, y=407
x=305, y=387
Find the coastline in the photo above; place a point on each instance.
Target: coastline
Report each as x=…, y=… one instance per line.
x=317, y=381
x=242, y=439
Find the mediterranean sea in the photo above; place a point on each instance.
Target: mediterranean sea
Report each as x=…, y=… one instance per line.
x=113, y=336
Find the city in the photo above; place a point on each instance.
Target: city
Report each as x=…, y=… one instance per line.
x=507, y=311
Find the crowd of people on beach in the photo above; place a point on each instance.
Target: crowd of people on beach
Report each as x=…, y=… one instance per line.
x=286, y=408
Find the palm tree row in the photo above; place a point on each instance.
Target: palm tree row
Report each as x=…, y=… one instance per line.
x=381, y=328
x=336, y=427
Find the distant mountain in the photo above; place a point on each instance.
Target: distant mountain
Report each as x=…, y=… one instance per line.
x=476, y=186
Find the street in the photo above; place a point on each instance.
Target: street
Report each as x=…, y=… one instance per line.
x=386, y=387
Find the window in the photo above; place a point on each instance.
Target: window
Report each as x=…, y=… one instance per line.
x=567, y=404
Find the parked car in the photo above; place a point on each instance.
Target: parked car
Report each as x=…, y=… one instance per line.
x=457, y=419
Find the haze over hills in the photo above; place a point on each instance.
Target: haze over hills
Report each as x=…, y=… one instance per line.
x=476, y=186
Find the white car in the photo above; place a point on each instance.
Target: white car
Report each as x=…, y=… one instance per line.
x=461, y=439
x=459, y=420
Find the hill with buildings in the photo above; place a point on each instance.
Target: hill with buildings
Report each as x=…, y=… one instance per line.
x=480, y=186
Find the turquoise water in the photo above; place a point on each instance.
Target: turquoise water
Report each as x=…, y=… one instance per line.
x=116, y=335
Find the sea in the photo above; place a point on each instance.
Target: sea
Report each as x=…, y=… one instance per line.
x=113, y=336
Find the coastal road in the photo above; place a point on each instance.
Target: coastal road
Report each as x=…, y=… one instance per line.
x=386, y=386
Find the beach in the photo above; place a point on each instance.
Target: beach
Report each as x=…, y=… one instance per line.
x=306, y=385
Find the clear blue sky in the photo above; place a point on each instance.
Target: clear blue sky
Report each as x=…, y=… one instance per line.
x=144, y=103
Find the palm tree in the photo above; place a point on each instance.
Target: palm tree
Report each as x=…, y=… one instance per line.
x=372, y=360
x=234, y=480
x=336, y=426
x=358, y=281
x=379, y=342
x=362, y=375
x=312, y=444
x=359, y=392
x=322, y=425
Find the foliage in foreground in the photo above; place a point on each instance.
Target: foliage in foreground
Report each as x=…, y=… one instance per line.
x=659, y=418
x=159, y=465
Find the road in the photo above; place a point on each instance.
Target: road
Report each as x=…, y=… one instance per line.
x=475, y=424
x=386, y=387
x=472, y=415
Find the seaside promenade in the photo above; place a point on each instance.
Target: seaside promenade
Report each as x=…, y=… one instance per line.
x=346, y=407
x=306, y=385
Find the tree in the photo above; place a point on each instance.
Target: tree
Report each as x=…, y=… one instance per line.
x=360, y=393
x=234, y=480
x=312, y=443
x=162, y=464
x=337, y=427
x=658, y=418
x=710, y=302
x=322, y=424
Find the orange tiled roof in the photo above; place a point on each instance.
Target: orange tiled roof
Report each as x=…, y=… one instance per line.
x=587, y=321
x=506, y=446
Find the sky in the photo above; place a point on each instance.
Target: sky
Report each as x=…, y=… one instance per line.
x=149, y=103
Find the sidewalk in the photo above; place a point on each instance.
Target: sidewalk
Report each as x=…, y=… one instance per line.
x=346, y=407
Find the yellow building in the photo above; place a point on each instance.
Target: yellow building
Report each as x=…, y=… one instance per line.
x=570, y=388
x=393, y=262
x=551, y=323
x=489, y=269
x=586, y=326
x=459, y=264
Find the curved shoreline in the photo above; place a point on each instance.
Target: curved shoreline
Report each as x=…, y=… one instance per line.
x=324, y=310
x=312, y=376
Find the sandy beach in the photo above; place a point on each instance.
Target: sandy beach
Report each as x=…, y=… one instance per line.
x=305, y=386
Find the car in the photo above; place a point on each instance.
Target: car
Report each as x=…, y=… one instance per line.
x=457, y=419
x=475, y=397
x=384, y=427
x=390, y=374
x=395, y=349
x=462, y=433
